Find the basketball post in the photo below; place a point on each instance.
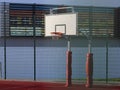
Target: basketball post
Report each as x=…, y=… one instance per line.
x=57, y=35
x=63, y=25
x=68, y=64
x=89, y=60
x=89, y=66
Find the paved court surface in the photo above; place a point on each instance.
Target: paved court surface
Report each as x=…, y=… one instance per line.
x=29, y=85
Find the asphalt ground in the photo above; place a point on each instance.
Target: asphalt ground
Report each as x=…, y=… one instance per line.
x=33, y=85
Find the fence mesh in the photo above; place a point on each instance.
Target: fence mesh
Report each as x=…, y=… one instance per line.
x=30, y=57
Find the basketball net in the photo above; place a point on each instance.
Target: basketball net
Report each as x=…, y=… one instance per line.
x=56, y=35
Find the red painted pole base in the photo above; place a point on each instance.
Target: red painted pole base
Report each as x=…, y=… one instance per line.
x=68, y=69
x=89, y=70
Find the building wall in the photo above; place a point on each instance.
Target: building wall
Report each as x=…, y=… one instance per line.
x=19, y=19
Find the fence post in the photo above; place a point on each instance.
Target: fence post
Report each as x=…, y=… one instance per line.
x=107, y=57
x=4, y=10
x=0, y=70
x=34, y=38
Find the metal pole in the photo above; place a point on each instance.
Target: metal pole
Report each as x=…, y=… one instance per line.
x=0, y=70
x=107, y=36
x=89, y=46
x=107, y=60
x=89, y=58
x=34, y=37
x=4, y=40
x=69, y=44
x=90, y=30
x=107, y=56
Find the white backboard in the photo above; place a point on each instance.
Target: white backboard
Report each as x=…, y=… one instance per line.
x=65, y=23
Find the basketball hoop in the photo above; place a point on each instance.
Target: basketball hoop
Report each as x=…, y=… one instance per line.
x=56, y=35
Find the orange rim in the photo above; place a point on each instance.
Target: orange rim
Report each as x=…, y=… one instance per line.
x=59, y=34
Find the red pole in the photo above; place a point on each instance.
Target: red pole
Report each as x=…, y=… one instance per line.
x=89, y=70
x=68, y=68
